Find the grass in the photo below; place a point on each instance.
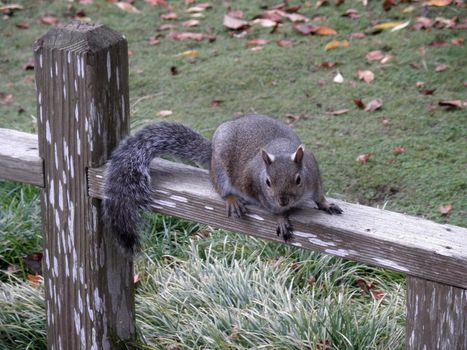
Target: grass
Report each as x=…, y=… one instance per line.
x=262, y=305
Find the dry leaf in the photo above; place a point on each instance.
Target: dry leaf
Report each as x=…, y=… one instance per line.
x=49, y=20
x=311, y=280
x=364, y=158
x=408, y=9
x=25, y=25
x=359, y=103
x=215, y=103
x=441, y=67
x=375, y=55
x=190, y=23
x=305, y=29
x=154, y=40
x=285, y=43
x=366, y=75
x=336, y=43
x=235, y=13
x=339, y=79
x=168, y=16
x=351, y=13
x=162, y=3
x=339, y=111
x=457, y=41
x=388, y=4
x=180, y=36
x=264, y=22
x=445, y=209
x=452, y=104
x=125, y=6
x=427, y=91
x=164, y=113
x=328, y=64
x=400, y=27
x=199, y=8
x=190, y=53
x=438, y=2
x=29, y=65
x=6, y=99
x=398, y=150
x=167, y=26
x=387, y=25
x=357, y=35
x=34, y=280
x=235, y=23
x=10, y=8
x=325, y=31
x=373, y=105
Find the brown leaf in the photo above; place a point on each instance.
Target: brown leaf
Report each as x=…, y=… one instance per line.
x=154, y=40
x=457, y=41
x=167, y=26
x=375, y=55
x=364, y=158
x=293, y=17
x=22, y=25
x=377, y=294
x=257, y=42
x=6, y=99
x=136, y=278
x=386, y=121
x=264, y=22
x=180, y=36
x=339, y=111
x=359, y=103
x=357, y=35
x=235, y=23
x=441, y=67
x=161, y=3
x=50, y=20
x=328, y=64
x=398, y=150
x=388, y=4
x=438, y=2
x=10, y=8
x=427, y=91
x=373, y=105
x=125, y=6
x=190, y=53
x=351, y=13
x=174, y=70
x=305, y=29
x=296, y=265
x=215, y=103
x=335, y=44
x=199, y=8
x=438, y=43
x=285, y=43
x=168, y=16
x=235, y=13
x=34, y=280
x=164, y=113
x=190, y=23
x=445, y=210
x=311, y=280
x=451, y=104
x=366, y=75
x=325, y=31
x=29, y=65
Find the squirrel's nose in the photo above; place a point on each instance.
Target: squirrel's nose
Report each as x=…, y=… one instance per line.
x=283, y=201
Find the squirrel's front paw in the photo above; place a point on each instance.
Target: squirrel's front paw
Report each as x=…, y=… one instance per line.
x=284, y=229
x=234, y=206
x=330, y=208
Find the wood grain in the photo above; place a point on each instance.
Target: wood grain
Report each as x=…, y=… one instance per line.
x=398, y=242
x=436, y=316
x=82, y=112
x=19, y=158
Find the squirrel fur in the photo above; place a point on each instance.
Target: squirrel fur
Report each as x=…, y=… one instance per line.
x=253, y=159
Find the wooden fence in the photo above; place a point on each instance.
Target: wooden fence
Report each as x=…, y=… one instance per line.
x=82, y=113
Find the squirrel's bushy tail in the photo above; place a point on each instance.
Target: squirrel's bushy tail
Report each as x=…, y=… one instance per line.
x=127, y=186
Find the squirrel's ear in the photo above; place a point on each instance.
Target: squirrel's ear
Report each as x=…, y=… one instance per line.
x=298, y=155
x=268, y=158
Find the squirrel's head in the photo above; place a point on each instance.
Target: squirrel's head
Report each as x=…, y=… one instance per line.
x=282, y=181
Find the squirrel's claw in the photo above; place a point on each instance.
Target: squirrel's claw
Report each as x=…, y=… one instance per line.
x=330, y=208
x=284, y=228
x=234, y=206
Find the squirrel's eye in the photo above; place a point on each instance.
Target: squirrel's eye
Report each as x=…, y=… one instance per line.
x=298, y=180
x=268, y=182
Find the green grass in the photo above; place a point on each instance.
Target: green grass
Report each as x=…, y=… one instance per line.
x=262, y=305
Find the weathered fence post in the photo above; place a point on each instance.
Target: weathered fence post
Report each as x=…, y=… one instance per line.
x=82, y=112
x=436, y=316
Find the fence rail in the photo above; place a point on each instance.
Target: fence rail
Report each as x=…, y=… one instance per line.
x=89, y=293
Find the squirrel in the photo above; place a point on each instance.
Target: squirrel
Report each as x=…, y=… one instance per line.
x=254, y=159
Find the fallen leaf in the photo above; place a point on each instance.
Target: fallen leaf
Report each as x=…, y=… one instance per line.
x=441, y=67
x=445, y=210
x=408, y=9
x=377, y=294
x=190, y=23
x=257, y=42
x=438, y=43
x=180, y=36
x=167, y=26
x=339, y=79
x=154, y=40
x=339, y=111
x=398, y=150
x=351, y=13
x=366, y=75
x=400, y=26
x=328, y=64
x=388, y=4
x=285, y=43
x=311, y=280
x=373, y=105
x=22, y=25
x=305, y=29
x=130, y=53
x=359, y=103
x=215, y=103
x=293, y=17
x=136, y=278
x=235, y=23
x=199, y=8
x=445, y=23
x=386, y=121
x=49, y=20
x=164, y=113
x=357, y=35
x=325, y=31
x=162, y=3
x=168, y=16
x=452, y=104
x=190, y=53
x=364, y=158
x=6, y=99
x=427, y=91
x=457, y=41
x=374, y=55
x=335, y=44
x=296, y=266
x=10, y=8
x=438, y=2
x=264, y=22
x=34, y=280
x=174, y=70
x=125, y=6
x=388, y=57
x=235, y=13
x=387, y=25
x=29, y=65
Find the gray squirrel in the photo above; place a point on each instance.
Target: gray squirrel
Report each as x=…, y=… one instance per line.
x=254, y=159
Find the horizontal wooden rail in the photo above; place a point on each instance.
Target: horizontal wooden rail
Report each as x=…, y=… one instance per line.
x=414, y=246
x=19, y=157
